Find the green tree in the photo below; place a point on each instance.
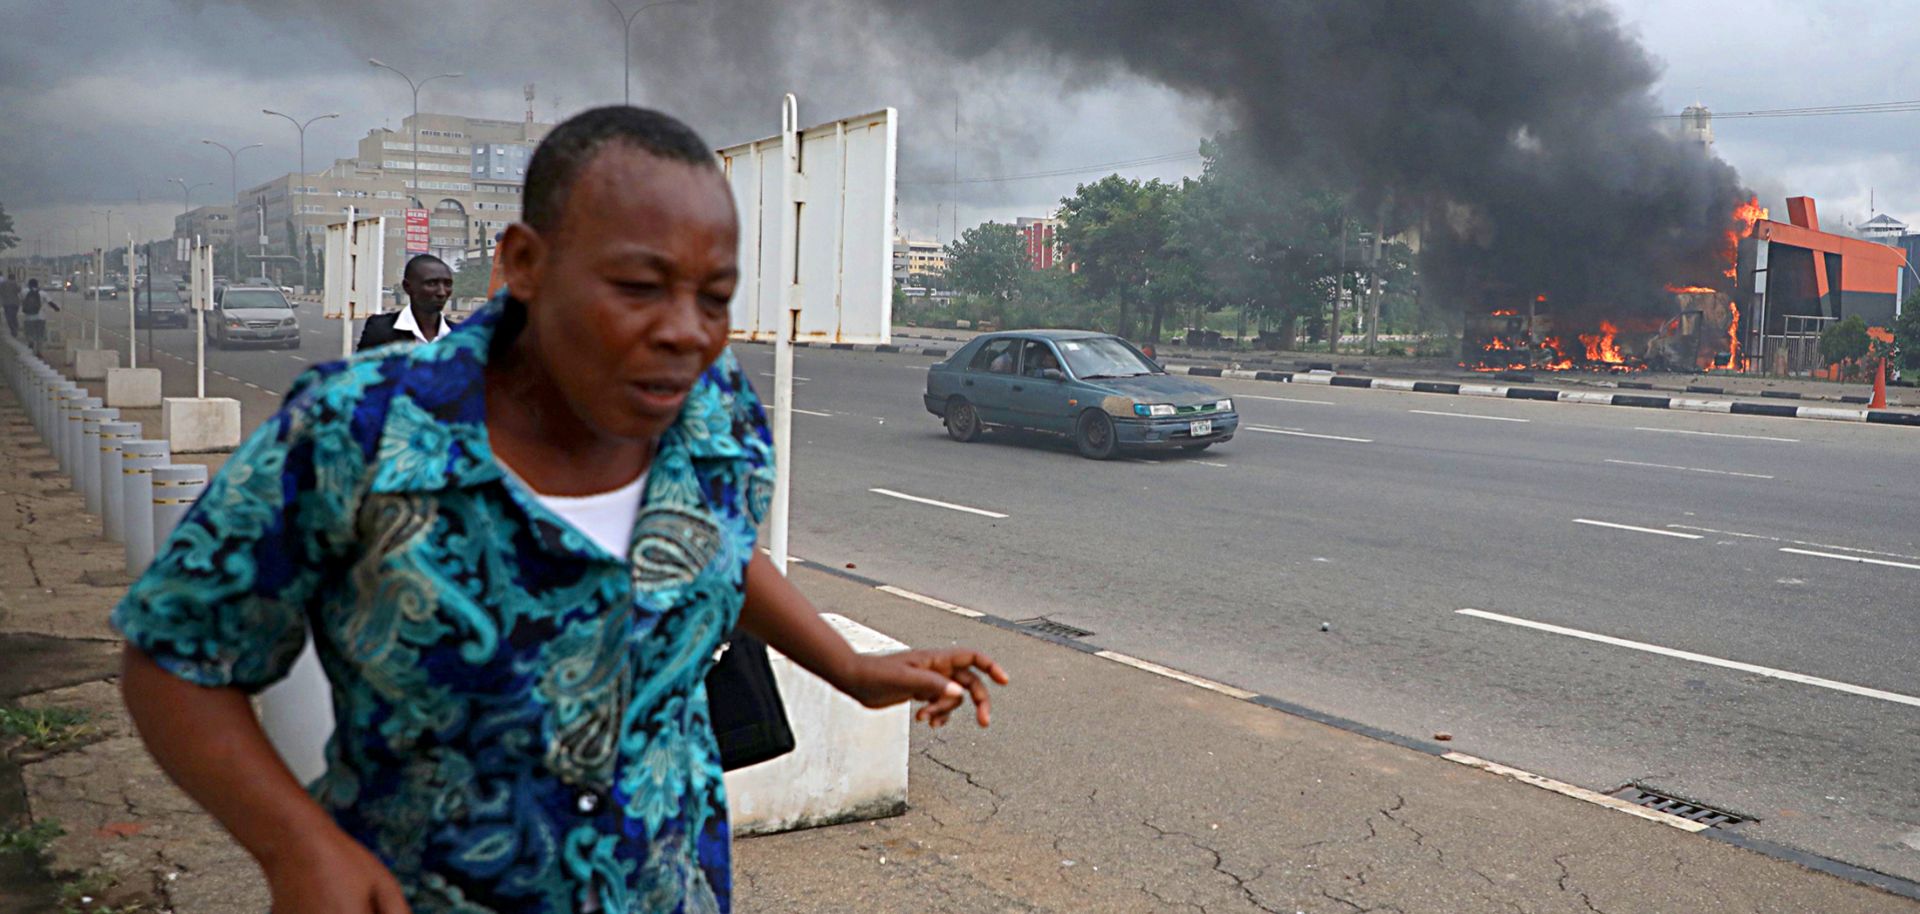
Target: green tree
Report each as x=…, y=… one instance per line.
x=8, y=240
x=470, y=281
x=1119, y=232
x=1845, y=341
x=988, y=262
x=1906, y=331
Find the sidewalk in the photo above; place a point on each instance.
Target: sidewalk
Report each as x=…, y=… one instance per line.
x=1100, y=787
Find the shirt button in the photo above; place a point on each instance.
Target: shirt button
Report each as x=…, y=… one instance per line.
x=586, y=802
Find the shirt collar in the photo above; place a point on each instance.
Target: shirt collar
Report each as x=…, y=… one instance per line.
x=435, y=433
x=405, y=322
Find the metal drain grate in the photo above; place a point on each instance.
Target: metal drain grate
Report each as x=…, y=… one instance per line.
x=1047, y=626
x=1693, y=812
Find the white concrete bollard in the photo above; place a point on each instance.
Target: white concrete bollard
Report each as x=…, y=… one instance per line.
x=197, y=425
x=849, y=763
x=138, y=458
x=133, y=388
x=113, y=512
x=175, y=488
x=93, y=364
x=90, y=420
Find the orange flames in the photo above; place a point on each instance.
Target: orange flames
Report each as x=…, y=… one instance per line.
x=1506, y=312
x=1747, y=214
x=1601, y=346
x=1733, y=339
x=1691, y=290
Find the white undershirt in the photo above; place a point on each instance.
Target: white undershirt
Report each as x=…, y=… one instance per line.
x=606, y=518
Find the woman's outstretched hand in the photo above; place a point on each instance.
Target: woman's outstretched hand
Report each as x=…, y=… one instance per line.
x=944, y=679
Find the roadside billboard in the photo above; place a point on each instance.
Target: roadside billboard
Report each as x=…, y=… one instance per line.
x=842, y=281
x=419, y=231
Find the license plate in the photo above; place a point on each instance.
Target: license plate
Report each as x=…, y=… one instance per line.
x=1200, y=429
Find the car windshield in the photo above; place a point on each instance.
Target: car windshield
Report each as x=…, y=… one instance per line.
x=1104, y=357
x=161, y=297
x=252, y=298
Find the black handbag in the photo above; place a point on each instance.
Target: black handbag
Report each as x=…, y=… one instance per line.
x=743, y=701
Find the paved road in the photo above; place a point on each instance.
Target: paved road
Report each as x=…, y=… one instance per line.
x=1403, y=511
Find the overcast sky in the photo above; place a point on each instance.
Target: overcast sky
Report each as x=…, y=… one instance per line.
x=103, y=101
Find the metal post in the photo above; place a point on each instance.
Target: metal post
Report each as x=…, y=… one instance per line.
x=90, y=422
x=138, y=460
x=233, y=159
x=113, y=512
x=777, y=525
x=75, y=440
x=305, y=284
x=133, y=298
x=626, y=48
x=175, y=488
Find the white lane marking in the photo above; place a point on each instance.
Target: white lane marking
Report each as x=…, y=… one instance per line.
x=808, y=412
x=1775, y=539
x=253, y=385
x=1755, y=669
x=1601, y=523
x=1206, y=463
x=1849, y=558
x=1171, y=673
x=1668, y=466
x=1578, y=793
x=296, y=358
x=1300, y=434
x=1284, y=399
x=938, y=504
x=1682, y=431
x=769, y=374
x=1431, y=412
x=929, y=601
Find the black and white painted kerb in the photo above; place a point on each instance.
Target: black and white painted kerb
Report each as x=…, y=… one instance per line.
x=1507, y=392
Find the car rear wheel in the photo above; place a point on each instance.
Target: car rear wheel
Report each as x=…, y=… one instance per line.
x=963, y=421
x=1094, y=436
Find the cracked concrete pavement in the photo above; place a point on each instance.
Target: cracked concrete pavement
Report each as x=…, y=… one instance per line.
x=1103, y=788
x=1099, y=788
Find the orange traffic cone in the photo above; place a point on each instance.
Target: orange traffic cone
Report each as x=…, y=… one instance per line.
x=1880, y=386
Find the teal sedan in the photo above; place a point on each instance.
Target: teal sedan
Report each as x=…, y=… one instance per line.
x=1095, y=388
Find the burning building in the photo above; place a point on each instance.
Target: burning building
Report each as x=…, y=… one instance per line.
x=1794, y=280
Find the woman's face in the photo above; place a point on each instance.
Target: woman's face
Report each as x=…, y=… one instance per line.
x=629, y=295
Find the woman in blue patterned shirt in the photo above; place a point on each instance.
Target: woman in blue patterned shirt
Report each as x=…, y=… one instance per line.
x=520, y=718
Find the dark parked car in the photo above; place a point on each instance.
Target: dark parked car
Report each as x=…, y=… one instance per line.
x=1092, y=387
x=252, y=314
x=159, y=308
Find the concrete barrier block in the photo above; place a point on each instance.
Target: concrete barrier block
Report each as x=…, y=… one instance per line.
x=849, y=763
x=198, y=426
x=133, y=388
x=93, y=364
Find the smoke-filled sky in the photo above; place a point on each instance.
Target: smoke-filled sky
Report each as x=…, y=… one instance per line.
x=102, y=101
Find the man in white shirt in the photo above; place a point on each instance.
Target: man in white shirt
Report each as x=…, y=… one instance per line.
x=428, y=283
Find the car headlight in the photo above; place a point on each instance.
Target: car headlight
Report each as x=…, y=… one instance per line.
x=235, y=325
x=1225, y=406
x=1157, y=410
x=290, y=322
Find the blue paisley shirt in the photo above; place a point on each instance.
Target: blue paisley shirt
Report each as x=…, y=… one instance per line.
x=520, y=718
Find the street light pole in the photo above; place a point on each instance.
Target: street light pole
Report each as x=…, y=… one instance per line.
x=233, y=159
x=415, y=86
x=302, y=127
x=626, y=48
x=186, y=193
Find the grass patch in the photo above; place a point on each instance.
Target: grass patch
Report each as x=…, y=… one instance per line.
x=45, y=729
x=31, y=840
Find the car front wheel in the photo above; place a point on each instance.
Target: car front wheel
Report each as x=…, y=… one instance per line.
x=1094, y=436
x=963, y=421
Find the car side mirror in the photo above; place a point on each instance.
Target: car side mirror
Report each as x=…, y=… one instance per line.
x=1053, y=374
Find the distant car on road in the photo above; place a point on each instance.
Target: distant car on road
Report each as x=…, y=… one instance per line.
x=252, y=314
x=1095, y=388
x=103, y=293
x=159, y=308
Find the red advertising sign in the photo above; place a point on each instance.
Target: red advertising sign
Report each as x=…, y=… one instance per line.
x=419, y=234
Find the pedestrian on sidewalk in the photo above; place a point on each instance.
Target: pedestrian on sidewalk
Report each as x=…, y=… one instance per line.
x=428, y=283
x=30, y=305
x=519, y=550
x=10, y=302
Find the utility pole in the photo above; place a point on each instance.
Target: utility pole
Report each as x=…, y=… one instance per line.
x=293, y=206
x=233, y=159
x=1340, y=292
x=1374, y=293
x=626, y=53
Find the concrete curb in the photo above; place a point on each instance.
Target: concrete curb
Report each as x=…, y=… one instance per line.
x=1505, y=392
x=1893, y=885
